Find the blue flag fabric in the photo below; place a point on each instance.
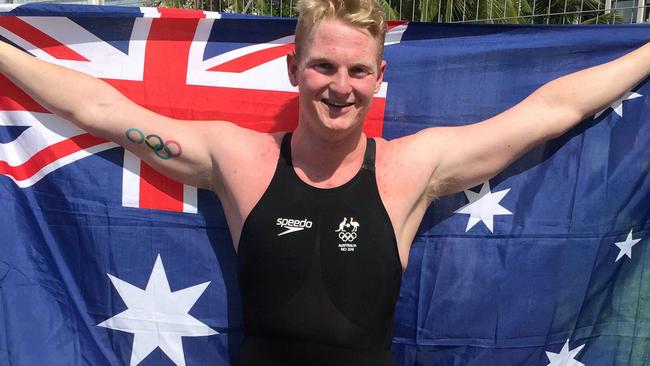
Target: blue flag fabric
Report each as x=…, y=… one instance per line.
x=545, y=264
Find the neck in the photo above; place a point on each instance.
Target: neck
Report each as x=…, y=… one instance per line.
x=330, y=160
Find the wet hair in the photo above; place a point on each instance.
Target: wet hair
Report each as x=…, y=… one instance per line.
x=365, y=14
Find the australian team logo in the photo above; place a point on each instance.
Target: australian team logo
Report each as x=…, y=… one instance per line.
x=347, y=232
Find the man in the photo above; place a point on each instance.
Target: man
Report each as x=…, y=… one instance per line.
x=316, y=288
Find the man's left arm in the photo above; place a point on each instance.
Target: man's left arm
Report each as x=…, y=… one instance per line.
x=462, y=157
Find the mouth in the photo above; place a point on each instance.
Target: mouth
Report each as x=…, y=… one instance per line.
x=336, y=104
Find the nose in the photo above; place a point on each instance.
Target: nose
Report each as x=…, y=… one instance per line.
x=341, y=82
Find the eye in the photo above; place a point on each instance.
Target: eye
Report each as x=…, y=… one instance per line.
x=324, y=67
x=359, y=71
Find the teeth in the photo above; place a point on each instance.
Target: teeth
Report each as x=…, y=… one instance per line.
x=336, y=104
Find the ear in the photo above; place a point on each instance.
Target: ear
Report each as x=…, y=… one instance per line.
x=292, y=68
x=380, y=75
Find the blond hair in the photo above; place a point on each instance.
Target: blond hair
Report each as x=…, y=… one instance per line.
x=365, y=14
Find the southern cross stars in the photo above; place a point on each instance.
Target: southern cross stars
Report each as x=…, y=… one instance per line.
x=566, y=357
x=158, y=317
x=617, y=105
x=483, y=206
x=626, y=246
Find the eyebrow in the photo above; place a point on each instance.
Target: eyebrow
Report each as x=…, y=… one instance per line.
x=319, y=59
x=316, y=60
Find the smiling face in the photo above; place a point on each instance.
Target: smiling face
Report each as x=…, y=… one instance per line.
x=337, y=74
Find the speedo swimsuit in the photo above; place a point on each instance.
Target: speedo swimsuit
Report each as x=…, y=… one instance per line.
x=319, y=272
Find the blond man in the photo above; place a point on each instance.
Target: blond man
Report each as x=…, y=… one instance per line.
x=316, y=288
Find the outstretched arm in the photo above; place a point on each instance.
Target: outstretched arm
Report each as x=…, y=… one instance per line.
x=181, y=150
x=547, y=113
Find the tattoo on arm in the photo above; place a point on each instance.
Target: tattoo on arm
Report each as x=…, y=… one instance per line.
x=163, y=149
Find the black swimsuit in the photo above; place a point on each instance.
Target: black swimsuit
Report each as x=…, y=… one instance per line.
x=319, y=272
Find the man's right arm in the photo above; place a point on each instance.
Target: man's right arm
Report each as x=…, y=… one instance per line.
x=182, y=150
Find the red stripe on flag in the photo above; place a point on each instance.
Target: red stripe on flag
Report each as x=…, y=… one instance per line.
x=39, y=39
x=49, y=155
x=241, y=64
x=395, y=23
x=181, y=13
x=14, y=99
x=373, y=126
x=166, y=69
x=159, y=192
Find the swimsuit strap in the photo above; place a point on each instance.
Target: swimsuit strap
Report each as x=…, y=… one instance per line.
x=368, y=157
x=285, y=149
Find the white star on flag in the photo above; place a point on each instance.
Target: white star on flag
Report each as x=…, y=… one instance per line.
x=158, y=317
x=483, y=206
x=626, y=246
x=617, y=105
x=566, y=357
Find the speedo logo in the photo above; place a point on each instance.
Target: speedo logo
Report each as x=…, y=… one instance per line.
x=293, y=225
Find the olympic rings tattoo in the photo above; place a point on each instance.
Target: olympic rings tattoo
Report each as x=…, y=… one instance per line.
x=170, y=153
x=163, y=149
x=138, y=132
x=158, y=146
x=347, y=236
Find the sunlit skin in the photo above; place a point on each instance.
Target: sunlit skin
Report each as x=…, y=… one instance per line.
x=337, y=74
x=164, y=150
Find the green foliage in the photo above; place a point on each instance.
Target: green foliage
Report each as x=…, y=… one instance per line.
x=181, y=4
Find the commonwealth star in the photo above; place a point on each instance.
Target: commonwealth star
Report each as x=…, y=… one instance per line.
x=626, y=246
x=566, y=357
x=158, y=317
x=617, y=105
x=483, y=206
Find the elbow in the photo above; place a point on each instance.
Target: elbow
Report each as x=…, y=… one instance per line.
x=558, y=116
x=85, y=117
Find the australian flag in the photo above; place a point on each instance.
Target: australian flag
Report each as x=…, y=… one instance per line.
x=103, y=261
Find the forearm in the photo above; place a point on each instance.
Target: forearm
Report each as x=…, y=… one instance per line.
x=69, y=94
x=549, y=112
x=579, y=95
x=176, y=149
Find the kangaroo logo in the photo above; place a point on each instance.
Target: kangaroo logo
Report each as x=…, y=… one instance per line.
x=348, y=230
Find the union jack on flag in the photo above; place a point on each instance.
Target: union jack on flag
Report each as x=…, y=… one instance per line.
x=182, y=64
x=548, y=263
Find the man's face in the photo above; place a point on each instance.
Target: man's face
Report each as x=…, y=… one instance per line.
x=337, y=75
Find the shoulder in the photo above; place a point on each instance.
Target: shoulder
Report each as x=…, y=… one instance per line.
x=403, y=170
x=229, y=134
x=242, y=157
x=232, y=144
x=414, y=154
x=414, y=145
x=405, y=166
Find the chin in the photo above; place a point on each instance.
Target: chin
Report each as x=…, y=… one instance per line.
x=341, y=125
x=345, y=122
